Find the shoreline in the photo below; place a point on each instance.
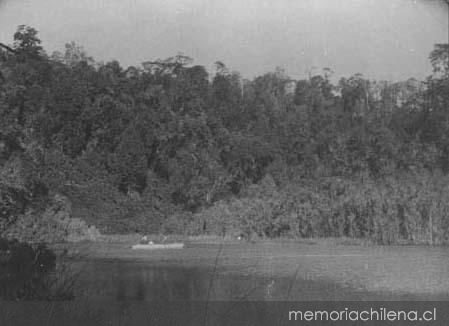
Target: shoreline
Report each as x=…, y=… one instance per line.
x=134, y=238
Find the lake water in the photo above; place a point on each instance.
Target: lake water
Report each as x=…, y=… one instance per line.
x=201, y=284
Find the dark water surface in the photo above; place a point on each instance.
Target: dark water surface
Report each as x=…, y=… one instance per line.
x=200, y=285
x=270, y=271
x=133, y=281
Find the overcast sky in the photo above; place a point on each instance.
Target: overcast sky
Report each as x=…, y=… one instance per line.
x=383, y=39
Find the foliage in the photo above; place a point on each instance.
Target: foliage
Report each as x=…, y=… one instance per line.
x=166, y=147
x=23, y=269
x=393, y=210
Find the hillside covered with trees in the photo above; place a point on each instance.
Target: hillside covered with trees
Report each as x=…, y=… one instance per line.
x=170, y=147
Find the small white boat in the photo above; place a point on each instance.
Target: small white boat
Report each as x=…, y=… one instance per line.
x=152, y=246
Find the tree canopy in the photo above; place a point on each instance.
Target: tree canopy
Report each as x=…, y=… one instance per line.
x=169, y=136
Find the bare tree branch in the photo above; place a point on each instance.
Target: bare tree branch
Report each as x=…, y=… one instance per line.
x=7, y=48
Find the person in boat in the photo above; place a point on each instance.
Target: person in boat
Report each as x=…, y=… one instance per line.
x=162, y=239
x=145, y=240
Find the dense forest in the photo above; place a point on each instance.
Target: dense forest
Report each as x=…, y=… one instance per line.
x=170, y=147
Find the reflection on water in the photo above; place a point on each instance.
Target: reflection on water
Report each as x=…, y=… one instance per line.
x=27, y=274
x=122, y=281
x=31, y=273
x=135, y=281
x=147, y=292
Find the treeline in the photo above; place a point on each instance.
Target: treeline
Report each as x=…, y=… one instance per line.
x=169, y=147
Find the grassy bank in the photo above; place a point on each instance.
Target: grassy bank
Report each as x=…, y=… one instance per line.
x=405, y=209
